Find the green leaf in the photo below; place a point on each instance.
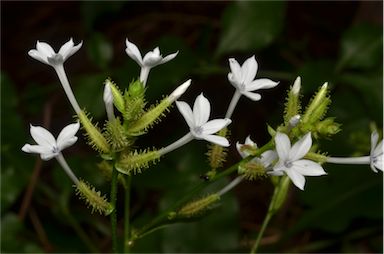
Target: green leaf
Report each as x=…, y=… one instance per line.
x=361, y=47
x=250, y=25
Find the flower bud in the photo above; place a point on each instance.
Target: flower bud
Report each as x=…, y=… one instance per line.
x=292, y=105
x=195, y=208
x=118, y=99
x=318, y=106
x=179, y=91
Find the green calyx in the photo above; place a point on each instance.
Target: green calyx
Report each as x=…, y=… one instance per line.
x=292, y=104
x=118, y=99
x=93, y=198
x=135, y=162
x=217, y=154
x=149, y=118
x=318, y=106
x=281, y=191
x=252, y=170
x=195, y=208
x=94, y=135
x=116, y=135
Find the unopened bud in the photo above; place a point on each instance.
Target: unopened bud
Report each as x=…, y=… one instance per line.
x=294, y=121
x=179, y=91
x=296, y=86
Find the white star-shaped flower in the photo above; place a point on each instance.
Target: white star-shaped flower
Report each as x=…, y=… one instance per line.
x=47, y=146
x=242, y=78
x=376, y=155
x=45, y=53
x=198, y=123
x=150, y=60
x=266, y=159
x=291, y=162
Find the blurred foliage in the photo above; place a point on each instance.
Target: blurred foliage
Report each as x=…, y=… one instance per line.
x=340, y=212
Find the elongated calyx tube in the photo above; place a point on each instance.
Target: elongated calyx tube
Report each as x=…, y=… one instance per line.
x=95, y=138
x=93, y=198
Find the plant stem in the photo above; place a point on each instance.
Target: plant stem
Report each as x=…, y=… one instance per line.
x=270, y=213
x=114, y=213
x=127, y=201
x=163, y=216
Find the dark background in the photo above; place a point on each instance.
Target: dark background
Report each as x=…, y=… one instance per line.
x=338, y=42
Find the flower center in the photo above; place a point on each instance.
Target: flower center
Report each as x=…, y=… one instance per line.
x=198, y=130
x=55, y=149
x=288, y=164
x=56, y=59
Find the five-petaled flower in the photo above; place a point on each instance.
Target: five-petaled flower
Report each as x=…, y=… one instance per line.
x=47, y=146
x=45, y=54
x=151, y=59
x=291, y=162
x=266, y=158
x=242, y=78
x=376, y=155
x=198, y=123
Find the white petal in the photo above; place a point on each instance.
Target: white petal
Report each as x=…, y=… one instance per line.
x=214, y=126
x=35, y=149
x=38, y=56
x=133, y=52
x=262, y=83
x=235, y=71
x=71, y=51
x=252, y=96
x=169, y=57
x=42, y=136
x=249, y=141
x=301, y=147
x=374, y=139
x=308, y=168
x=152, y=58
x=378, y=150
x=186, y=111
x=268, y=157
x=296, y=178
x=249, y=69
x=45, y=49
x=66, y=48
x=67, y=136
x=47, y=156
x=218, y=140
x=283, y=145
x=201, y=110
x=238, y=147
x=379, y=163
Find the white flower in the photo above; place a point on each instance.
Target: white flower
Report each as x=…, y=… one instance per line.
x=47, y=146
x=242, y=78
x=266, y=159
x=376, y=155
x=291, y=162
x=45, y=54
x=151, y=59
x=198, y=123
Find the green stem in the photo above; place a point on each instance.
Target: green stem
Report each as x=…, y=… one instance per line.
x=270, y=213
x=114, y=213
x=163, y=217
x=127, y=201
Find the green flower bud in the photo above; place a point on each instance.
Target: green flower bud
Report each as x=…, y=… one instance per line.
x=115, y=134
x=136, y=89
x=281, y=195
x=327, y=127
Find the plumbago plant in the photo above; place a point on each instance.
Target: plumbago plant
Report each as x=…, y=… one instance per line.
x=291, y=154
